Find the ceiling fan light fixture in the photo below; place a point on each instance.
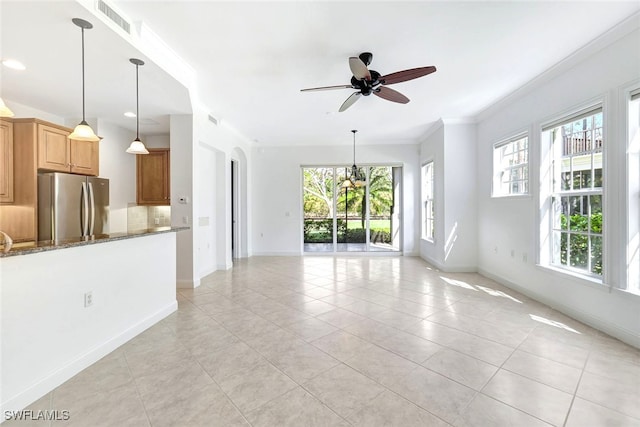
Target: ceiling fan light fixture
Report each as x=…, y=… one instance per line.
x=367, y=82
x=83, y=131
x=4, y=110
x=137, y=146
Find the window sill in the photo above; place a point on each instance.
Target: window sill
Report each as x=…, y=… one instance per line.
x=590, y=280
x=627, y=294
x=511, y=196
x=432, y=241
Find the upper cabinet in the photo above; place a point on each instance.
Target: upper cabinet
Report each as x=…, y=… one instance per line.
x=35, y=146
x=56, y=152
x=6, y=161
x=153, y=177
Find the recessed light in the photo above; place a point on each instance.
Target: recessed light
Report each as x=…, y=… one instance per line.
x=13, y=64
x=130, y=114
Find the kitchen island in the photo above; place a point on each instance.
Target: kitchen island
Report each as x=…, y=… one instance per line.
x=65, y=305
x=49, y=245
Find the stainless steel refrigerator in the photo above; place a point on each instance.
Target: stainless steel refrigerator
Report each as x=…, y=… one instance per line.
x=72, y=206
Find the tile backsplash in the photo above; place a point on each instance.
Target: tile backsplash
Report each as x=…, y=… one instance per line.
x=143, y=217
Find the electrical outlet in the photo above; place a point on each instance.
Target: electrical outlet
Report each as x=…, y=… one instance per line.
x=156, y=221
x=513, y=253
x=88, y=299
x=524, y=257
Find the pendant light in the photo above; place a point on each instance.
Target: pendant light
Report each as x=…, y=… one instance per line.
x=4, y=110
x=83, y=131
x=137, y=147
x=356, y=178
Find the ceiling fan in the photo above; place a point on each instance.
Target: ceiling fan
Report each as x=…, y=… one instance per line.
x=368, y=82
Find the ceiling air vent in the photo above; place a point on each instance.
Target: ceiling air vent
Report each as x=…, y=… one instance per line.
x=114, y=16
x=213, y=120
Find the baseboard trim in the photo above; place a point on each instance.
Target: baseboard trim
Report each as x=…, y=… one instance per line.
x=287, y=253
x=448, y=268
x=58, y=377
x=596, y=322
x=225, y=266
x=187, y=284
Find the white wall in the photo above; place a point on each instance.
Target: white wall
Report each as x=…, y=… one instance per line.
x=25, y=111
x=182, y=172
x=206, y=221
x=277, y=189
x=157, y=141
x=452, y=148
x=201, y=154
x=48, y=335
x=511, y=224
x=120, y=168
x=460, y=222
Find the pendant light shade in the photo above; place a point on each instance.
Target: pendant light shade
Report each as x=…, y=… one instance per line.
x=137, y=147
x=4, y=110
x=83, y=131
x=356, y=178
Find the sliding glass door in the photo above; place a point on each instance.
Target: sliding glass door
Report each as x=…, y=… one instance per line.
x=341, y=216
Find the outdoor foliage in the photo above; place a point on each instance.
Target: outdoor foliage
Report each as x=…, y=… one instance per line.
x=576, y=245
x=319, y=188
x=320, y=231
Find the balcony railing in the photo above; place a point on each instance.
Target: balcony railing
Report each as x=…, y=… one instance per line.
x=580, y=144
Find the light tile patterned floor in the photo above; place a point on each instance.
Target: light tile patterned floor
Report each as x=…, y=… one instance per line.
x=339, y=341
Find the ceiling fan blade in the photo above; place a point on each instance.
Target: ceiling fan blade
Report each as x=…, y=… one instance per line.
x=403, y=76
x=326, y=88
x=390, y=95
x=359, y=69
x=350, y=101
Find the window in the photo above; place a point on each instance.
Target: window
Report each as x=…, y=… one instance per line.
x=577, y=192
x=511, y=167
x=633, y=194
x=428, y=211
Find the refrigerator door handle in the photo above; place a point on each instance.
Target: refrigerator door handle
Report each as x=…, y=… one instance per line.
x=92, y=215
x=84, y=218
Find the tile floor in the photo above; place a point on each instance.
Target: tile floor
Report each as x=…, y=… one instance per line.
x=340, y=341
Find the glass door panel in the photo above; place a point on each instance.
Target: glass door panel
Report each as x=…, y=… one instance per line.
x=381, y=204
x=318, y=209
x=341, y=216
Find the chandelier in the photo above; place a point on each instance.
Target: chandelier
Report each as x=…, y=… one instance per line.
x=356, y=178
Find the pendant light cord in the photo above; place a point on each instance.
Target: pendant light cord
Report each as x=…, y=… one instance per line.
x=354, y=146
x=83, y=111
x=137, y=107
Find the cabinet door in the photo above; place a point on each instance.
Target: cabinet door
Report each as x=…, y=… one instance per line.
x=153, y=177
x=53, y=149
x=6, y=162
x=83, y=156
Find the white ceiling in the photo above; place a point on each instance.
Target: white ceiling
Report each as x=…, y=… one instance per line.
x=252, y=59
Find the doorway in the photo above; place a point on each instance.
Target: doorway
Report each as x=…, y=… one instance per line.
x=235, y=253
x=342, y=217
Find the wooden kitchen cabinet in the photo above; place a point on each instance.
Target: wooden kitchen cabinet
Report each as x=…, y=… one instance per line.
x=6, y=161
x=39, y=146
x=153, y=177
x=58, y=153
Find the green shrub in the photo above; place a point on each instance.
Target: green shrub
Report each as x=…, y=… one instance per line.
x=578, y=247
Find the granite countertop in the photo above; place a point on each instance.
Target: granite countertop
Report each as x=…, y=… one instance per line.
x=50, y=245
